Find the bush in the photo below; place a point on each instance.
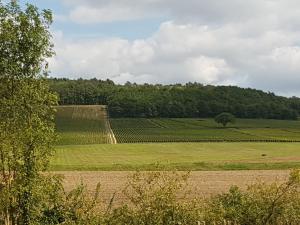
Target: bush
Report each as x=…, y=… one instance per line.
x=275, y=204
x=153, y=199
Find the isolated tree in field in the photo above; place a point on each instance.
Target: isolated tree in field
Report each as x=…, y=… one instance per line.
x=26, y=112
x=225, y=118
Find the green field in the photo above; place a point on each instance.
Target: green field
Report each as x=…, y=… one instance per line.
x=186, y=156
x=86, y=135
x=78, y=125
x=204, y=130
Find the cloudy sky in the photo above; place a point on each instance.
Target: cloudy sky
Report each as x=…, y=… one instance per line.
x=253, y=43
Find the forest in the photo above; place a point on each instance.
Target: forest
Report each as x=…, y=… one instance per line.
x=175, y=101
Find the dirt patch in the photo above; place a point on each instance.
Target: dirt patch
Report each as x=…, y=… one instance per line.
x=201, y=184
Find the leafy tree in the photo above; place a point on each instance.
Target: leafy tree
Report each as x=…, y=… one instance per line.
x=26, y=112
x=225, y=118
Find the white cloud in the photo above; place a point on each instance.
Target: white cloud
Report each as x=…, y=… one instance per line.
x=203, y=11
x=85, y=15
x=278, y=70
x=208, y=70
x=249, y=43
x=287, y=57
x=172, y=54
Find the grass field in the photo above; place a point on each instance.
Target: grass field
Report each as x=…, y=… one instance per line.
x=181, y=156
x=203, y=130
x=77, y=125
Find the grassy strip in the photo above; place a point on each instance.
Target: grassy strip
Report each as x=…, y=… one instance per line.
x=180, y=156
x=200, y=166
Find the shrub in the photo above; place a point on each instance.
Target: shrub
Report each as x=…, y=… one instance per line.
x=275, y=204
x=153, y=199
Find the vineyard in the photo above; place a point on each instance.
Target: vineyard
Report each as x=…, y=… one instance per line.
x=85, y=134
x=203, y=130
x=78, y=125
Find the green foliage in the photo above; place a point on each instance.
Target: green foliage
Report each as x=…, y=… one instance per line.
x=175, y=101
x=225, y=118
x=153, y=199
x=26, y=112
x=260, y=204
x=77, y=207
x=55, y=206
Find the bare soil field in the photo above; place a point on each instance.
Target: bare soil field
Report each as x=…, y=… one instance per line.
x=200, y=183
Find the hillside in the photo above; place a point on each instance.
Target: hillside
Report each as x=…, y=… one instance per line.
x=174, y=101
x=91, y=125
x=141, y=130
x=78, y=125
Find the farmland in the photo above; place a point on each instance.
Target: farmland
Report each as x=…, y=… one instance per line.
x=90, y=125
x=86, y=135
x=83, y=125
x=204, y=130
x=180, y=156
x=218, y=157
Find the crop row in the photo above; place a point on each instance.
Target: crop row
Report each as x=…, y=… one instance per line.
x=82, y=138
x=82, y=125
x=132, y=123
x=197, y=123
x=185, y=130
x=135, y=135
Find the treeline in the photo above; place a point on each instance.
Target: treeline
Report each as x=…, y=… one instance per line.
x=188, y=100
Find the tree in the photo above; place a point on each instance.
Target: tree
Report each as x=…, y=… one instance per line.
x=190, y=100
x=225, y=118
x=26, y=112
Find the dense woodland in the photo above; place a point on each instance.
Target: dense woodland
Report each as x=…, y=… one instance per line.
x=189, y=100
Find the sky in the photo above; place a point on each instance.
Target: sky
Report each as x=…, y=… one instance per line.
x=252, y=43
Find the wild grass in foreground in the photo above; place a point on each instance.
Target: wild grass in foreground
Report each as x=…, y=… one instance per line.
x=180, y=156
x=153, y=200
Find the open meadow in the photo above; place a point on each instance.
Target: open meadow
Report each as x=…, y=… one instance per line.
x=179, y=156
